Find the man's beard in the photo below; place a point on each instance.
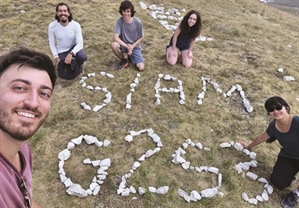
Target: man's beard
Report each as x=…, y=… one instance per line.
x=63, y=20
x=21, y=132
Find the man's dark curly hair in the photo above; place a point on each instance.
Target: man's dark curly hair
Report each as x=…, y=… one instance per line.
x=68, y=9
x=126, y=5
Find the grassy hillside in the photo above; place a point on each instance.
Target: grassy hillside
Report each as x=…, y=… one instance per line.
x=250, y=42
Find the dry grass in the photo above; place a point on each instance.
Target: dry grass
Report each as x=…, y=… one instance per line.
x=251, y=41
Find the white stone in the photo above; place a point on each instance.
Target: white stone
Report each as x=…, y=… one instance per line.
x=244, y=167
x=87, y=107
x=246, y=151
x=96, y=190
x=159, y=144
x=252, y=155
x=90, y=87
x=61, y=171
x=150, y=131
x=219, y=180
x=186, y=165
x=68, y=182
x=179, y=159
x=162, y=190
x=90, y=139
x=209, y=193
x=70, y=145
x=206, y=149
x=157, y=149
x=110, y=75
x=201, y=95
x=64, y=154
x=128, y=106
x=99, y=143
x=135, y=133
x=238, y=146
x=265, y=195
x=195, y=196
x=167, y=77
x=61, y=164
x=253, y=163
x=91, y=74
x=251, y=175
x=198, y=169
x=185, y=145
x=198, y=145
x=142, y=5
x=259, y=198
x=245, y=197
x=184, y=195
x=77, y=140
x=213, y=170
x=93, y=185
x=253, y=201
x=155, y=138
x=239, y=88
x=221, y=194
x=128, y=100
x=280, y=70
x=76, y=190
x=269, y=188
x=158, y=102
x=105, y=162
x=225, y=145
x=238, y=168
x=247, y=105
x=149, y=153
x=141, y=190
x=96, y=108
x=288, y=78
x=126, y=192
x=132, y=190
x=135, y=165
x=180, y=150
x=63, y=178
x=96, y=163
x=106, y=143
x=263, y=180
x=152, y=189
x=142, y=158
x=204, y=168
x=129, y=138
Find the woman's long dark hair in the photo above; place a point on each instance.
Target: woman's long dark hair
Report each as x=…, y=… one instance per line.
x=193, y=31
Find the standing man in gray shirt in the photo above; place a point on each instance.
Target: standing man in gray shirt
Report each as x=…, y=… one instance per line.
x=128, y=34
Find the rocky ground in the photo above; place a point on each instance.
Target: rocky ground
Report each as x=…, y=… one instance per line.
x=291, y=6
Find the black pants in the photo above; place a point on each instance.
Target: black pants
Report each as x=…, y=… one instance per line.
x=284, y=171
x=81, y=56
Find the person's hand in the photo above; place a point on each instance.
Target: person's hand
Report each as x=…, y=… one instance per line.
x=172, y=51
x=68, y=58
x=129, y=48
x=244, y=144
x=189, y=54
x=57, y=61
